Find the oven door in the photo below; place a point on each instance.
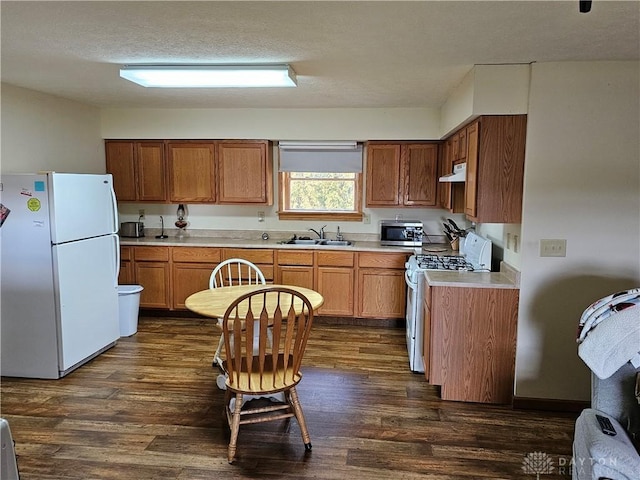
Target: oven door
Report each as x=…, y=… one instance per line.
x=414, y=319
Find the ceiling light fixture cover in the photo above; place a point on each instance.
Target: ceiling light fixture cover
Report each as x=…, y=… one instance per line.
x=210, y=76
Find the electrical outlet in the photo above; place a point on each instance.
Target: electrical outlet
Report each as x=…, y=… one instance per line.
x=508, y=241
x=141, y=213
x=261, y=216
x=366, y=219
x=553, y=248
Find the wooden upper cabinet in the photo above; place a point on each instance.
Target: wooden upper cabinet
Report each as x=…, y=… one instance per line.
x=245, y=171
x=420, y=169
x=191, y=172
x=383, y=175
x=402, y=174
x=495, y=169
x=138, y=170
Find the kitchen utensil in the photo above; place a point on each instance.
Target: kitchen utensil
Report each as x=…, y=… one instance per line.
x=457, y=229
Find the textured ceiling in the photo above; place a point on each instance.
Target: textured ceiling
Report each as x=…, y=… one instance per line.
x=346, y=54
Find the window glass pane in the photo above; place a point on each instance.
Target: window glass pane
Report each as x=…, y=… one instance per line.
x=315, y=191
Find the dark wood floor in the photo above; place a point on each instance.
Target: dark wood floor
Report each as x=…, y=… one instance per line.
x=149, y=409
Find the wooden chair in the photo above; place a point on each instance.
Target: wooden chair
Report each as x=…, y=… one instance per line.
x=234, y=271
x=256, y=366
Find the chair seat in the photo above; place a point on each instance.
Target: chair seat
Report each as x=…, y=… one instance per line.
x=275, y=380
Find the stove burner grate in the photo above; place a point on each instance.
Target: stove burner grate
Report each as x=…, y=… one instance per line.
x=443, y=262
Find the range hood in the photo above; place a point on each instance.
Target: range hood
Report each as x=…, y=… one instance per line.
x=459, y=174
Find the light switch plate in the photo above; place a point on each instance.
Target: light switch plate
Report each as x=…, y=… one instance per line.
x=553, y=248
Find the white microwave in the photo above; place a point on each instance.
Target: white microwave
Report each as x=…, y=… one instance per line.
x=403, y=233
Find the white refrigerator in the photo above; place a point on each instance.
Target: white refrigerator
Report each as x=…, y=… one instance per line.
x=60, y=258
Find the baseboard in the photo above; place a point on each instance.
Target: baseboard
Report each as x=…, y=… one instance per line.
x=368, y=322
x=549, y=404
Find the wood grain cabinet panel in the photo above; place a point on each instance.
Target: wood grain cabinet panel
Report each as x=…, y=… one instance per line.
x=383, y=175
x=245, y=171
x=381, y=293
x=189, y=278
x=420, y=170
x=473, y=341
x=191, y=171
x=495, y=169
x=138, y=170
x=295, y=267
x=155, y=278
x=336, y=285
x=263, y=258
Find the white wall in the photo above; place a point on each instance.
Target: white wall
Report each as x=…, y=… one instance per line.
x=582, y=184
x=42, y=132
x=274, y=123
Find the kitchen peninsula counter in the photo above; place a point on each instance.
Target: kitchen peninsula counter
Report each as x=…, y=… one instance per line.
x=507, y=278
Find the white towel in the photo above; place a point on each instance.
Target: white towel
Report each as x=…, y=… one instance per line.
x=612, y=343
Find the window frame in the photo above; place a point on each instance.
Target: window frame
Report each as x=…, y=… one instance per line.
x=352, y=216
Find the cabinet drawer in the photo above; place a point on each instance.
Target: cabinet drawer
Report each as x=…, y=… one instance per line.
x=254, y=255
x=195, y=254
x=125, y=254
x=382, y=260
x=286, y=257
x=152, y=254
x=335, y=259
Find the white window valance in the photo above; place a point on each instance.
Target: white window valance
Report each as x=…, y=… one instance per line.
x=336, y=157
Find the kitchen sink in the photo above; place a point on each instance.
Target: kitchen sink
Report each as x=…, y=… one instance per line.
x=297, y=241
x=336, y=243
x=318, y=241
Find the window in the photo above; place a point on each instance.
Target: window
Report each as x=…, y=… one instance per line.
x=323, y=181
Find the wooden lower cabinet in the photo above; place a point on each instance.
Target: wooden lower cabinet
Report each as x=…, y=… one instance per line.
x=353, y=284
x=335, y=282
x=261, y=257
x=154, y=277
x=473, y=343
x=190, y=271
x=295, y=268
x=382, y=291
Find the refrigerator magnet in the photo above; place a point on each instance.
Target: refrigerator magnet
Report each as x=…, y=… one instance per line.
x=34, y=204
x=4, y=213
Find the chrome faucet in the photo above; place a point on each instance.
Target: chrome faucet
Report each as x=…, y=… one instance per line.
x=339, y=234
x=320, y=233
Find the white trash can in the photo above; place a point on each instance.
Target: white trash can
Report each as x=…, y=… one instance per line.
x=128, y=306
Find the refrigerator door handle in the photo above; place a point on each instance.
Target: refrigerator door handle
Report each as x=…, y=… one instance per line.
x=116, y=241
x=114, y=204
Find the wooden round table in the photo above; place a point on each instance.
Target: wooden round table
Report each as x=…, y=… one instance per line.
x=215, y=301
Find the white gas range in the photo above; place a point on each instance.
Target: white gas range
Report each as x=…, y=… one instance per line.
x=475, y=257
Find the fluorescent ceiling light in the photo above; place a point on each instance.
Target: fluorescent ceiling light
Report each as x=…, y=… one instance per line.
x=210, y=76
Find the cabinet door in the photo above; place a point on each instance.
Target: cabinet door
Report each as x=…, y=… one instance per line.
x=296, y=275
x=420, y=168
x=151, y=170
x=120, y=158
x=383, y=175
x=191, y=172
x=335, y=284
x=125, y=277
x=154, y=277
x=382, y=293
x=471, y=186
x=245, y=171
x=189, y=278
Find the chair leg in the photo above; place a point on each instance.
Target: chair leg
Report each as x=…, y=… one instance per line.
x=235, y=427
x=297, y=410
x=217, y=361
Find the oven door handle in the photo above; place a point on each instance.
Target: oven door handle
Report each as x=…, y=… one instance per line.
x=408, y=281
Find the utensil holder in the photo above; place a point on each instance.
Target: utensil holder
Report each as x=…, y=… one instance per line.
x=455, y=244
